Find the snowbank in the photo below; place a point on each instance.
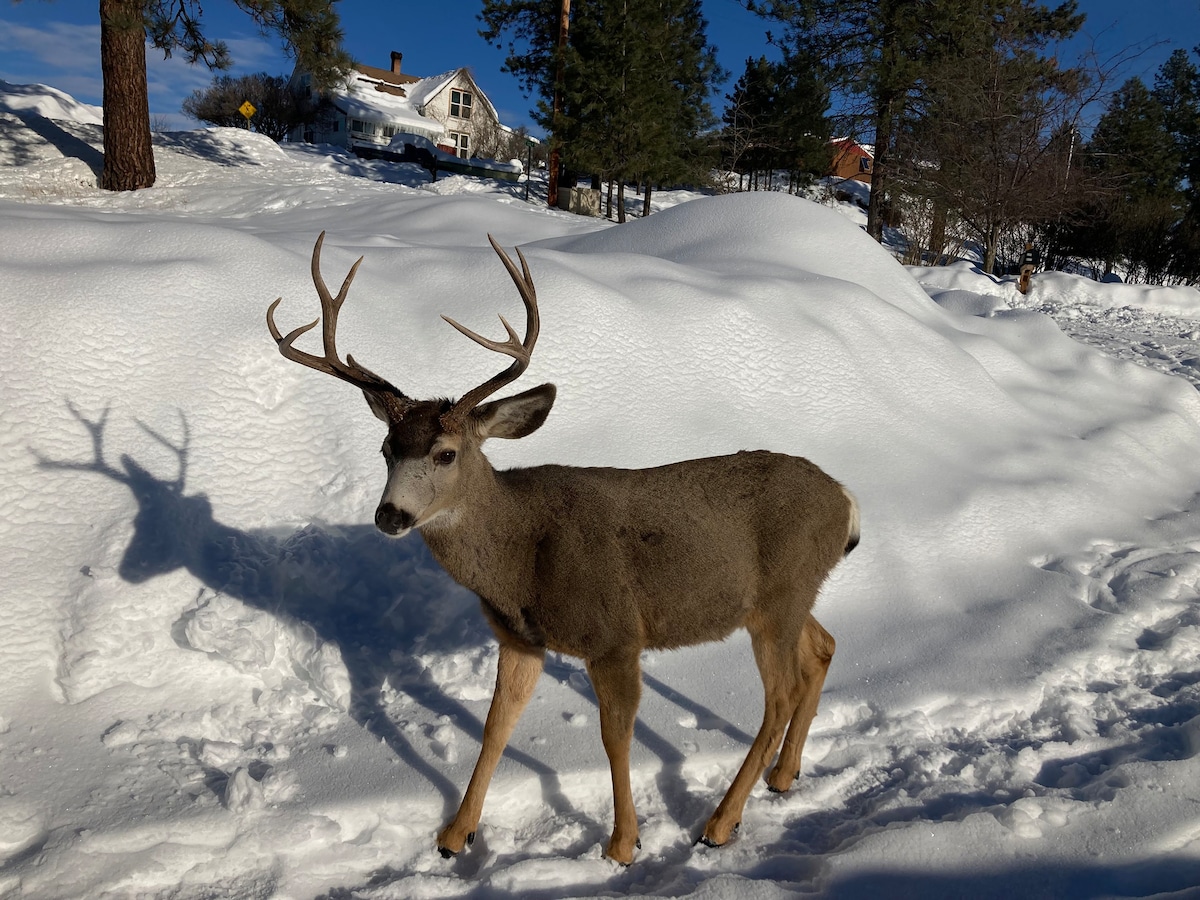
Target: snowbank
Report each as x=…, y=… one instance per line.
x=221, y=681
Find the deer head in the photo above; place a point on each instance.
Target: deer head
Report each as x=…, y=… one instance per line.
x=435, y=464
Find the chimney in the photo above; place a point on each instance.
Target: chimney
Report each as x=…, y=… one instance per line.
x=396, y=57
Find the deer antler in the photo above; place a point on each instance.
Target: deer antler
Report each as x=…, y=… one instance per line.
x=330, y=363
x=101, y=466
x=520, y=350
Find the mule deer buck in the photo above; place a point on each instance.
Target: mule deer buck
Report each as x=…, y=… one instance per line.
x=603, y=563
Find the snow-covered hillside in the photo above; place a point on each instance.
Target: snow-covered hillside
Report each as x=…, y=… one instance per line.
x=220, y=680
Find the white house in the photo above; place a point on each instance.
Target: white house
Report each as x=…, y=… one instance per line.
x=376, y=104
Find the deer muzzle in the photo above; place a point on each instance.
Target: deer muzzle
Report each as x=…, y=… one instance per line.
x=394, y=521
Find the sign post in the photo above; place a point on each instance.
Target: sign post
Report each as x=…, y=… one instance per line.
x=247, y=109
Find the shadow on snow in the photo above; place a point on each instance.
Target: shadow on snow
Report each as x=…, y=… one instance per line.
x=385, y=603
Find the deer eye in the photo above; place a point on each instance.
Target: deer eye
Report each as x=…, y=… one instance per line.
x=445, y=457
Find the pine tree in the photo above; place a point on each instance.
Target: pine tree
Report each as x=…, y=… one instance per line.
x=992, y=146
x=637, y=75
x=309, y=29
x=1177, y=89
x=1132, y=150
x=775, y=118
x=749, y=133
x=880, y=53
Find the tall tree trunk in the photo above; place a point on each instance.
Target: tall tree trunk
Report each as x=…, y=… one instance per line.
x=885, y=127
x=989, y=254
x=888, y=106
x=621, y=201
x=646, y=202
x=128, y=155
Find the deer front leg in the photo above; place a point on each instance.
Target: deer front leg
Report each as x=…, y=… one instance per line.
x=617, y=681
x=517, y=672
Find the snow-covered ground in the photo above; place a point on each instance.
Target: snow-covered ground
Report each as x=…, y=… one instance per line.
x=220, y=681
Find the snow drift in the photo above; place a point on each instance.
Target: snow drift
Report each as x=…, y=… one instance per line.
x=221, y=680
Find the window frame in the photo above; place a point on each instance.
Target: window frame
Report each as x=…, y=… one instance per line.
x=461, y=103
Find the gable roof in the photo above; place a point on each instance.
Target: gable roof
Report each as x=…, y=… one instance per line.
x=428, y=88
x=390, y=97
x=853, y=147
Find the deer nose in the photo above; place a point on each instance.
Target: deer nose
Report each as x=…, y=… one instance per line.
x=391, y=520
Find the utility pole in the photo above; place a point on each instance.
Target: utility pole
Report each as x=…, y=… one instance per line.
x=555, y=147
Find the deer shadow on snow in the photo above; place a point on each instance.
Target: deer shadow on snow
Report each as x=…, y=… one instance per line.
x=384, y=603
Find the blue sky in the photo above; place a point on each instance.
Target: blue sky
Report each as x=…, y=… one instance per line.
x=56, y=42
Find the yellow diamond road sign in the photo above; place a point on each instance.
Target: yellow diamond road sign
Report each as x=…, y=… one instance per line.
x=247, y=109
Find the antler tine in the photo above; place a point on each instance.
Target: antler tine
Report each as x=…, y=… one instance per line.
x=520, y=350
x=330, y=363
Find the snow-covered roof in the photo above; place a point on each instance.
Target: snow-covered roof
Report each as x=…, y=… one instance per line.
x=846, y=142
x=362, y=100
x=426, y=89
x=422, y=91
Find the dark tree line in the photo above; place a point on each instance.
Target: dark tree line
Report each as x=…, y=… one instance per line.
x=1146, y=151
x=776, y=121
x=626, y=98
x=937, y=86
x=279, y=109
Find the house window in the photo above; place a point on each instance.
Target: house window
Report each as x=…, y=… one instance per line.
x=460, y=104
x=462, y=144
x=388, y=131
x=864, y=164
x=364, y=128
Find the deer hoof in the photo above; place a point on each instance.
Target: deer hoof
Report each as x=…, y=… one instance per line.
x=447, y=853
x=618, y=855
x=709, y=842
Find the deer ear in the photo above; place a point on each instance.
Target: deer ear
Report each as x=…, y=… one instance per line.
x=516, y=416
x=377, y=406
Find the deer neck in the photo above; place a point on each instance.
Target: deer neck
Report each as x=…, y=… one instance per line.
x=485, y=542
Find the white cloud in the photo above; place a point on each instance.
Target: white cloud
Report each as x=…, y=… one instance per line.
x=62, y=45
x=67, y=56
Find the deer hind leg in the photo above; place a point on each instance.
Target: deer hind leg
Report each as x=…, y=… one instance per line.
x=782, y=695
x=517, y=671
x=617, y=681
x=814, y=654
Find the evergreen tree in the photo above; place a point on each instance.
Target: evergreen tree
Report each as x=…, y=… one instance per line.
x=775, y=119
x=309, y=29
x=1135, y=224
x=992, y=147
x=637, y=75
x=528, y=29
x=880, y=53
x=530, y=32
x=1177, y=90
x=749, y=117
